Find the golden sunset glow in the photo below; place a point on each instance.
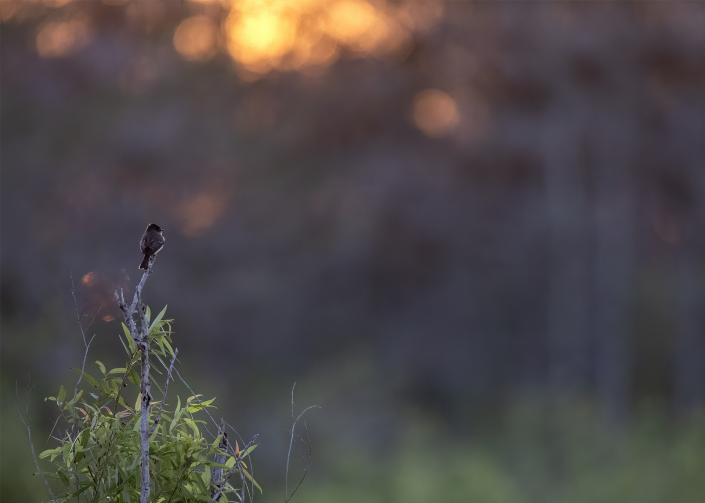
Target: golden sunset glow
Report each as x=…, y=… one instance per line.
x=264, y=35
x=57, y=39
x=195, y=38
x=356, y=24
x=435, y=112
x=260, y=38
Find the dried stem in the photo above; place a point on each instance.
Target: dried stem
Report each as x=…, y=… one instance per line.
x=79, y=317
x=288, y=496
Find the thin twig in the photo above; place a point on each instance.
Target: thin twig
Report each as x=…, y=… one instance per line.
x=288, y=496
x=166, y=388
x=193, y=393
x=75, y=390
x=79, y=317
x=29, y=435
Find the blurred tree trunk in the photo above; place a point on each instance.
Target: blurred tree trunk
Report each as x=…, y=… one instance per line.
x=569, y=218
x=614, y=225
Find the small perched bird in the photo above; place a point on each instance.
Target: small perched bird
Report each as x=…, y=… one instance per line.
x=152, y=241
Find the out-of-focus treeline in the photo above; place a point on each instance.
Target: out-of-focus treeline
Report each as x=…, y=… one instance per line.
x=441, y=211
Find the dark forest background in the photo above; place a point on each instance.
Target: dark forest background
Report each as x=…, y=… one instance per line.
x=472, y=232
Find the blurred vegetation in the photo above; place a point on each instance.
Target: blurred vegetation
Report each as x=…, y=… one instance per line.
x=528, y=454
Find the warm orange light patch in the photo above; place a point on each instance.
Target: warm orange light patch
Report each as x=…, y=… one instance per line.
x=357, y=24
x=262, y=35
x=259, y=38
x=89, y=278
x=201, y=211
x=61, y=38
x=8, y=9
x=435, y=112
x=195, y=38
x=108, y=318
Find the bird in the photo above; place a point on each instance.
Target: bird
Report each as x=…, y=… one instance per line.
x=151, y=243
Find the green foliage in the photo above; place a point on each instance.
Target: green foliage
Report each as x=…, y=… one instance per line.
x=98, y=459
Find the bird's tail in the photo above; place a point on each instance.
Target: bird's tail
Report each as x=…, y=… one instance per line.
x=145, y=263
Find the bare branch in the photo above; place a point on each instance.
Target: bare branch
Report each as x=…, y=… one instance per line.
x=141, y=339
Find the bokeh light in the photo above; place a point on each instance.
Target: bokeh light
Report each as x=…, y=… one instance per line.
x=8, y=9
x=259, y=38
x=201, y=211
x=265, y=35
x=435, y=112
x=89, y=278
x=195, y=38
x=277, y=34
x=57, y=39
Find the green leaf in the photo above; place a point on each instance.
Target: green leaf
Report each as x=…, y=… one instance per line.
x=122, y=402
x=168, y=346
x=52, y=475
x=198, y=406
x=87, y=377
x=130, y=340
x=62, y=394
x=101, y=366
x=177, y=413
x=252, y=480
x=193, y=426
x=134, y=377
x=206, y=477
x=85, y=435
x=119, y=370
x=157, y=319
x=78, y=397
x=148, y=313
x=248, y=450
x=129, y=353
x=134, y=462
x=49, y=452
x=87, y=485
x=199, y=482
x=230, y=462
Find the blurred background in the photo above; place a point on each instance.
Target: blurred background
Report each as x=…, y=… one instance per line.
x=472, y=232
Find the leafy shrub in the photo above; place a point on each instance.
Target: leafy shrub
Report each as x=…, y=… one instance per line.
x=99, y=454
